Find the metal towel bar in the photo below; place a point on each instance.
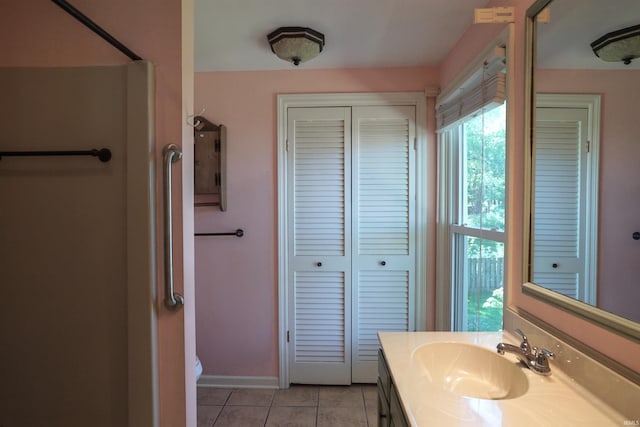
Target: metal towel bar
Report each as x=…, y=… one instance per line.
x=171, y=154
x=104, y=154
x=239, y=232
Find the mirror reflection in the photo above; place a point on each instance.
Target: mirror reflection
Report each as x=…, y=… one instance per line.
x=586, y=150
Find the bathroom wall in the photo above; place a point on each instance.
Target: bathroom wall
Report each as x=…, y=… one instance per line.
x=608, y=343
x=38, y=33
x=236, y=278
x=619, y=205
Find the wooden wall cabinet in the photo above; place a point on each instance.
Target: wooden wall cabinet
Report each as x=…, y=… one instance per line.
x=210, y=142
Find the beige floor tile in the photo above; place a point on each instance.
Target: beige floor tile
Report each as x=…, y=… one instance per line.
x=297, y=406
x=296, y=396
x=207, y=415
x=369, y=391
x=213, y=396
x=341, y=396
x=372, y=416
x=242, y=416
x=370, y=394
x=251, y=397
x=341, y=417
x=291, y=416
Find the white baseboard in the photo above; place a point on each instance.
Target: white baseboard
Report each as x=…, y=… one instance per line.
x=225, y=381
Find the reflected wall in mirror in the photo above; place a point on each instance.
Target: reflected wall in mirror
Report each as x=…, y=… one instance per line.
x=585, y=157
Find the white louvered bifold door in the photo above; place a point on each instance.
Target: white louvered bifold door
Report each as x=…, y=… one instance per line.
x=558, y=226
x=319, y=221
x=383, y=230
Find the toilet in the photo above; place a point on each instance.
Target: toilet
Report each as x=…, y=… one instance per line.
x=198, y=369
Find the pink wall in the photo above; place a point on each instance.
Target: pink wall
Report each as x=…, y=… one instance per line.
x=608, y=343
x=619, y=207
x=38, y=33
x=236, y=279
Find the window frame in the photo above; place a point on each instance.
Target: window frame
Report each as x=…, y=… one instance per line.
x=446, y=224
x=454, y=137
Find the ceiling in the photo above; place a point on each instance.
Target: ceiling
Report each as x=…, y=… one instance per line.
x=231, y=34
x=565, y=41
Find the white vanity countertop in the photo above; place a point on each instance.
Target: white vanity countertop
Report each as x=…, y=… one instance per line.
x=550, y=401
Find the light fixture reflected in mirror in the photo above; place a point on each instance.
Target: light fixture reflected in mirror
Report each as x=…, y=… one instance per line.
x=619, y=46
x=296, y=44
x=547, y=57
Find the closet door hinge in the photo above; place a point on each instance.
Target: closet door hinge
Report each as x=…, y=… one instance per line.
x=415, y=143
x=588, y=146
x=286, y=145
x=288, y=336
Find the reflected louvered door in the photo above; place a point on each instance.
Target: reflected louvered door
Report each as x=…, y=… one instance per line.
x=383, y=230
x=319, y=221
x=558, y=227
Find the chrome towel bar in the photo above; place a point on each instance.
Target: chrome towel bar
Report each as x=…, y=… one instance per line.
x=170, y=154
x=104, y=154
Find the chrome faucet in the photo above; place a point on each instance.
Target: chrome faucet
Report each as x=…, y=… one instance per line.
x=535, y=359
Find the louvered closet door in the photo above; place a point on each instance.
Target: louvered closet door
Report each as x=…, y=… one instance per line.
x=558, y=228
x=383, y=230
x=319, y=220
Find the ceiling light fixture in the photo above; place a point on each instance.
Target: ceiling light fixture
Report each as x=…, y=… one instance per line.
x=622, y=45
x=296, y=44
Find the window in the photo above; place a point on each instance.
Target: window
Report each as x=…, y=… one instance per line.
x=472, y=142
x=477, y=229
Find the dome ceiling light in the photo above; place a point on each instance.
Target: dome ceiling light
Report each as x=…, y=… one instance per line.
x=622, y=45
x=296, y=44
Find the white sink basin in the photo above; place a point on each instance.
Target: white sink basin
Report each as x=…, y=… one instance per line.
x=470, y=370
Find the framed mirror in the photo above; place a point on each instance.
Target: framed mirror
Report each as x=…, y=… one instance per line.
x=582, y=242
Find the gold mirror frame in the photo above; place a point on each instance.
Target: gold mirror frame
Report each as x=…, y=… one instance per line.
x=605, y=319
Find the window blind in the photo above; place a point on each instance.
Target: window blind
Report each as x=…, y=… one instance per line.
x=485, y=88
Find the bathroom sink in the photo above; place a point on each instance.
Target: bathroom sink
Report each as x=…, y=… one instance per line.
x=470, y=370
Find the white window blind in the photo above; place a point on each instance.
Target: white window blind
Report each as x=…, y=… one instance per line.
x=484, y=88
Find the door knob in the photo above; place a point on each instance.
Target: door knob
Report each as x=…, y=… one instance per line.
x=383, y=263
x=319, y=264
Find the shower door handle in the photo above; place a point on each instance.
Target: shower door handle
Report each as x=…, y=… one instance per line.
x=170, y=154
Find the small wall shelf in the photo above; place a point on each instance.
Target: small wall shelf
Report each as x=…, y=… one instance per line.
x=210, y=142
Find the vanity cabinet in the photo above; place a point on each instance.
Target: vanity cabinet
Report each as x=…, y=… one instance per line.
x=390, y=413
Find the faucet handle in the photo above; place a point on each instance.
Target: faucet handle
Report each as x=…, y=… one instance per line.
x=543, y=352
x=522, y=335
x=542, y=360
x=525, y=342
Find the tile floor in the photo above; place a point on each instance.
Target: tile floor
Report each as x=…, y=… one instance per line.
x=299, y=406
